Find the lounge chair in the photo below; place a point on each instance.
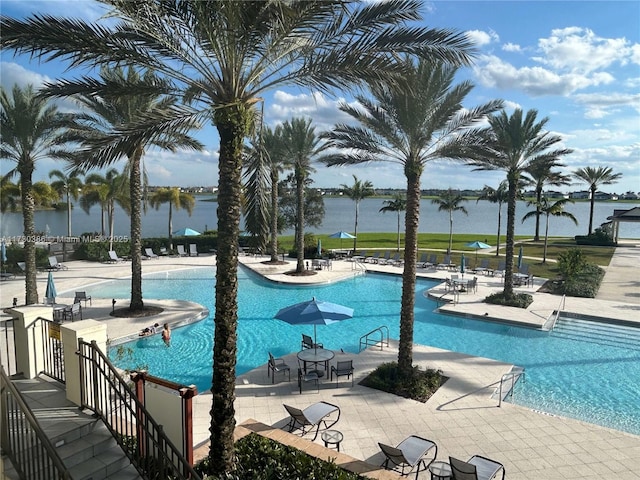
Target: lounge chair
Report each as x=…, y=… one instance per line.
x=307, y=342
x=82, y=296
x=501, y=268
x=343, y=368
x=114, y=258
x=181, y=252
x=446, y=263
x=476, y=468
x=423, y=262
x=412, y=452
x=149, y=253
x=313, y=417
x=396, y=261
x=277, y=365
x=385, y=259
x=72, y=311
x=54, y=265
x=22, y=266
x=484, y=267
x=311, y=376
x=372, y=258
x=193, y=250
x=164, y=251
x=7, y=276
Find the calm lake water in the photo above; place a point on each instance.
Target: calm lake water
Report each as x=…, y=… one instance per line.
x=339, y=215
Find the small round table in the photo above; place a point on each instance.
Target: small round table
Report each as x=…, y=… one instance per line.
x=332, y=437
x=440, y=471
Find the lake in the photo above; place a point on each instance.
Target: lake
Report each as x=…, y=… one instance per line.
x=339, y=215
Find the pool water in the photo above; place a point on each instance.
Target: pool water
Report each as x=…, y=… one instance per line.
x=578, y=377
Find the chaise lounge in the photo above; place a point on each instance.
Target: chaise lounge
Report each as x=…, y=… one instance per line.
x=312, y=417
x=412, y=452
x=476, y=468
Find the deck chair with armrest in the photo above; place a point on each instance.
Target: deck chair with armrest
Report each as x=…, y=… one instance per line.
x=413, y=452
x=341, y=369
x=181, y=251
x=72, y=311
x=276, y=365
x=307, y=342
x=193, y=250
x=316, y=416
x=114, y=258
x=54, y=265
x=309, y=377
x=476, y=468
x=149, y=253
x=82, y=296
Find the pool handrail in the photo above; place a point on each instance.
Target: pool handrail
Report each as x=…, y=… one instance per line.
x=514, y=375
x=367, y=342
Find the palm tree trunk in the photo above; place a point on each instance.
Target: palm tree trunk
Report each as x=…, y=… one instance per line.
x=135, y=190
x=111, y=213
x=398, y=248
x=511, y=220
x=170, y=225
x=28, y=207
x=499, y=226
x=230, y=123
x=593, y=201
x=412, y=221
x=300, y=220
x=450, y=232
x=546, y=237
x=274, y=214
x=68, y=213
x=355, y=231
x=536, y=237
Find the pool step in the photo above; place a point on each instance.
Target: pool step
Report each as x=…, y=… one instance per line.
x=611, y=334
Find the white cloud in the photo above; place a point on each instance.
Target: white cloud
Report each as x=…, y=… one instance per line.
x=481, y=38
x=13, y=73
x=511, y=47
x=324, y=112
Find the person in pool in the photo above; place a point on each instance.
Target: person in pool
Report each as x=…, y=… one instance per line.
x=151, y=330
x=166, y=335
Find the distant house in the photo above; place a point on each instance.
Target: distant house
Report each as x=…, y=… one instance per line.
x=630, y=196
x=605, y=196
x=580, y=195
x=554, y=194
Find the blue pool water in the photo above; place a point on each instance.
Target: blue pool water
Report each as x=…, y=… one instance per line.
x=579, y=377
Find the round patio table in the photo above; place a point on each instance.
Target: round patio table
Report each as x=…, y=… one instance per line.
x=315, y=356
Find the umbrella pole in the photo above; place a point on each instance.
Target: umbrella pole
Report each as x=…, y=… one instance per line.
x=315, y=338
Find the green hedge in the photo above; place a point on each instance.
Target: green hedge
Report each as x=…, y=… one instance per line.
x=585, y=284
x=15, y=254
x=520, y=300
x=420, y=386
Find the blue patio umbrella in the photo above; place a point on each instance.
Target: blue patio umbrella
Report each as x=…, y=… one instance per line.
x=520, y=258
x=186, y=232
x=314, y=312
x=341, y=235
x=319, y=247
x=50, y=292
x=462, y=264
x=477, y=245
x=3, y=254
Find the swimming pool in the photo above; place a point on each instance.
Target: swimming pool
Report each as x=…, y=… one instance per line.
x=585, y=377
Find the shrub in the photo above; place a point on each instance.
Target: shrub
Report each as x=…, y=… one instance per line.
x=259, y=458
x=520, y=300
x=420, y=386
x=585, y=284
x=571, y=262
x=598, y=237
x=15, y=254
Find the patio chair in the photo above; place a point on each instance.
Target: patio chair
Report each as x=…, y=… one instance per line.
x=412, y=453
x=311, y=376
x=149, y=253
x=82, y=296
x=315, y=416
x=54, y=265
x=181, y=252
x=72, y=311
x=476, y=468
x=472, y=285
x=277, y=365
x=343, y=368
x=114, y=258
x=307, y=342
x=193, y=250
x=164, y=251
x=423, y=262
x=373, y=258
x=446, y=263
x=484, y=266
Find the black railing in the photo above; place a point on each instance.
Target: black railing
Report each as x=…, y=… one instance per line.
x=53, y=354
x=32, y=454
x=8, y=354
x=105, y=392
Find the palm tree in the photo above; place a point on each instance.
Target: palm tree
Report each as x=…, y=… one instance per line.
x=555, y=209
x=30, y=130
x=496, y=195
x=69, y=185
x=44, y=194
x=356, y=192
x=595, y=177
x=176, y=199
x=449, y=201
x=106, y=190
x=111, y=113
x=397, y=204
x=224, y=71
x=539, y=175
x=513, y=144
x=9, y=195
x=300, y=146
x=410, y=127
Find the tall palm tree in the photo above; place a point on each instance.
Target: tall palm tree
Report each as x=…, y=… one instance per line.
x=68, y=185
x=496, y=195
x=595, y=177
x=448, y=201
x=410, y=127
x=555, y=209
x=30, y=129
x=360, y=190
x=397, y=204
x=539, y=175
x=110, y=113
x=223, y=55
x=176, y=199
x=44, y=195
x=9, y=195
x=300, y=146
x=513, y=144
x=106, y=190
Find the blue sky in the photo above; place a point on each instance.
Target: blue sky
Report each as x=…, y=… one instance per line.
x=576, y=62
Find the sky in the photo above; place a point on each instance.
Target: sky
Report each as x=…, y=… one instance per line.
x=575, y=62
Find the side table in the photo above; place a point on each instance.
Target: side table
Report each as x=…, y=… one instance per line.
x=440, y=471
x=332, y=437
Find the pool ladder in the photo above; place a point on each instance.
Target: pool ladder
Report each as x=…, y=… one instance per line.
x=512, y=377
x=366, y=342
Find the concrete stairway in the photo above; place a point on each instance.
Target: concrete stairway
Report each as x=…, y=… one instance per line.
x=83, y=442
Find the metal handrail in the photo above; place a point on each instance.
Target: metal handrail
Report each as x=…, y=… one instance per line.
x=107, y=394
x=366, y=341
x=560, y=309
x=23, y=440
x=514, y=376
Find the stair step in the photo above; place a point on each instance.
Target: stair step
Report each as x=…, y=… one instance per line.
x=609, y=334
